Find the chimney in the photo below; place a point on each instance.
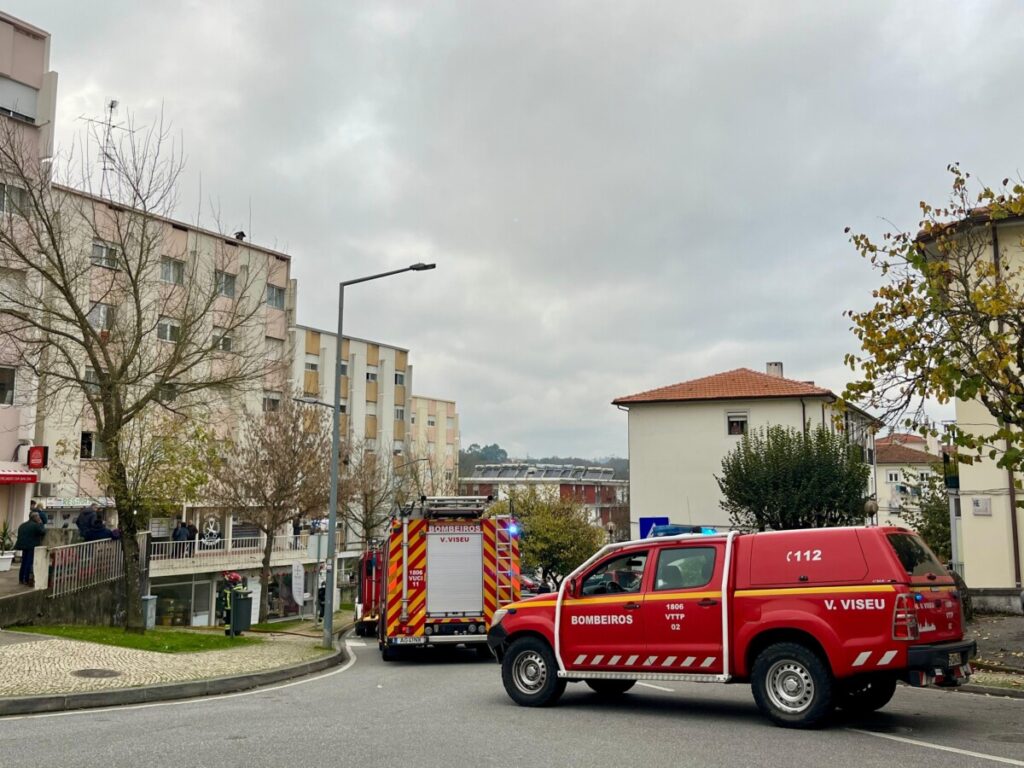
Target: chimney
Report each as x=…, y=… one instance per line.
x=239, y=235
x=774, y=369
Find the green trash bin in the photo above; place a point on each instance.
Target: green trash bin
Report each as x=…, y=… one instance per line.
x=241, y=611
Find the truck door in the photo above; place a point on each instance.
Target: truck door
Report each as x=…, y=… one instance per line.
x=683, y=609
x=602, y=626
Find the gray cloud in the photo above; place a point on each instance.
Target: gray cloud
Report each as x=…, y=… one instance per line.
x=618, y=196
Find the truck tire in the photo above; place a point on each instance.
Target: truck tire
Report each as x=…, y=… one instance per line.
x=360, y=629
x=610, y=687
x=792, y=685
x=529, y=673
x=866, y=693
x=390, y=653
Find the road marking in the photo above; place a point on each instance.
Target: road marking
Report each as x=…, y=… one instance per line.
x=941, y=748
x=656, y=687
x=199, y=700
x=355, y=643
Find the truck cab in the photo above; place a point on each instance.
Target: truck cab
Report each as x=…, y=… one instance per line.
x=812, y=619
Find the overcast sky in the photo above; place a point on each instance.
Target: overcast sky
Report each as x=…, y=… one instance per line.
x=618, y=196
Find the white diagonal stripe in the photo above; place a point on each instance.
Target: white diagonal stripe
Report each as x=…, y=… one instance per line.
x=650, y=660
x=689, y=661
x=614, y=660
x=889, y=656
x=580, y=659
x=669, y=661
x=708, y=662
x=631, y=661
x=862, y=659
x=596, y=660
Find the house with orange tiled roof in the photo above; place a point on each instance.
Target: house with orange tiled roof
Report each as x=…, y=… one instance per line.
x=679, y=434
x=901, y=471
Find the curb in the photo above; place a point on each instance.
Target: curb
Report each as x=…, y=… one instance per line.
x=28, y=705
x=989, y=690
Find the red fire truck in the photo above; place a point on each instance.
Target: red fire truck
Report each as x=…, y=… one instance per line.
x=446, y=569
x=812, y=619
x=369, y=586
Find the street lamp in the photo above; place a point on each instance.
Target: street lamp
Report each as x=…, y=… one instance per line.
x=332, y=519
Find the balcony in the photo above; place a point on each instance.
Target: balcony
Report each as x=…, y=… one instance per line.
x=171, y=558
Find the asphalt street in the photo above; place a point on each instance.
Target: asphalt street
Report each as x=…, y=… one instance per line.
x=450, y=710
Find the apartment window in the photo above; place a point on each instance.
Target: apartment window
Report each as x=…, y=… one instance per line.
x=923, y=476
x=371, y=444
x=371, y=408
x=222, y=340
x=274, y=349
x=275, y=296
x=344, y=368
x=398, y=448
x=7, y=376
x=399, y=414
x=91, y=381
x=342, y=408
x=431, y=421
x=271, y=401
x=312, y=367
x=172, y=271
x=412, y=418
x=892, y=477
x=167, y=393
x=450, y=423
x=371, y=375
x=104, y=255
x=91, y=447
x=168, y=329
x=399, y=378
x=225, y=284
x=101, y=317
x=14, y=199
x=447, y=475
x=736, y=422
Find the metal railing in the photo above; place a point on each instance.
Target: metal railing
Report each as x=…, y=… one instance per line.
x=225, y=553
x=75, y=567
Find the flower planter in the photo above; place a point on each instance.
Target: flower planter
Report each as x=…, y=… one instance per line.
x=5, y=561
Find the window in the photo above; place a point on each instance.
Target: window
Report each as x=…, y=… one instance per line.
x=450, y=423
x=371, y=444
x=431, y=421
x=222, y=339
x=412, y=418
x=892, y=477
x=271, y=401
x=14, y=199
x=371, y=408
x=225, y=284
x=397, y=448
x=342, y=408
x=344, y=368
x=736, y=422
x=685, y=568
x=274, y=349
x=621, y=574
x=399, y=414
x=914, y=556
x=399, y=378
x=7, y=376
x=104, y=255
x=447, y=475
x=92, y=381
x=172, y=271
x=371, y=375
x=923, y=476
x=91, y=447
x=168, y=329
x=167, y=393
x=101, y=317
x=275, y=296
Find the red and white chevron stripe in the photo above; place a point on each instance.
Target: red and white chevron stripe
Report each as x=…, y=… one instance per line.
x=648, y=662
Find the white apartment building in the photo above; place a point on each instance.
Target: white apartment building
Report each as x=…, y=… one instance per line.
x=902, y=469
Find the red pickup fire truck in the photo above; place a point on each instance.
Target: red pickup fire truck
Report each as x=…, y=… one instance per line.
x=812, y=619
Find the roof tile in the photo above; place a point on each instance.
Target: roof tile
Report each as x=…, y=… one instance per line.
x=740, y=384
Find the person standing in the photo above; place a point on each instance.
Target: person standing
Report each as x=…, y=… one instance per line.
x=179, y=536
x=33, y=507
x=86, y=518
x=30, y=535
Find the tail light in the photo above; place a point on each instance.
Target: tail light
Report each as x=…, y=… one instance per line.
x=904, y=618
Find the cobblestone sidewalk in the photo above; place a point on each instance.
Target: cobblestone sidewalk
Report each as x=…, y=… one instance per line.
x=32, y=665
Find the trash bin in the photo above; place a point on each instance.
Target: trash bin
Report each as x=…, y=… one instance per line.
x=149, y=610
x=241, y=611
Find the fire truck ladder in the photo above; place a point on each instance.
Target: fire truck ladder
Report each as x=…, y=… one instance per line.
x=503, y=562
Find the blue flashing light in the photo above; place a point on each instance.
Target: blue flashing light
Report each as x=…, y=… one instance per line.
x=918, y=597
x=708, y=531
x=513, y=529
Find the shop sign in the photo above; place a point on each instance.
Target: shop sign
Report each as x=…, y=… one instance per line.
x=38, y=456
x=298, y=582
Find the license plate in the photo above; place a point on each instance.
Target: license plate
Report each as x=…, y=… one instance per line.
x=409, y=640
x=954, y=660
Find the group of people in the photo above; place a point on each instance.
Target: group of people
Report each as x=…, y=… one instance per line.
x=91, y=526
x=185, y=532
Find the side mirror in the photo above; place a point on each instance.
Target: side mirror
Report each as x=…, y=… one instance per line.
x=574, y=588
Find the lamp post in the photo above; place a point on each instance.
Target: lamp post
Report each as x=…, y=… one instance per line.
x=332, y=519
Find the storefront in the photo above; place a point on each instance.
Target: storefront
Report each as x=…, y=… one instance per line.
x=15, y=490
x=183, y=601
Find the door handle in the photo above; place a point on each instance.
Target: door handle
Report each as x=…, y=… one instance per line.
x=631, y=606
x=707, y=602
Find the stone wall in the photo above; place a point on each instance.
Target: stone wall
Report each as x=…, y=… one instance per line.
x=103, y=604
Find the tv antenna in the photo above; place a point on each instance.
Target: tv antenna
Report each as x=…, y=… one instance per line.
x=107, y=126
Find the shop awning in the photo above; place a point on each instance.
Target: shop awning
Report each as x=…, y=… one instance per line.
x=12, y=476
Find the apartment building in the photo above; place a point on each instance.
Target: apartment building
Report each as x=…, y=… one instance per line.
x=435, y=442
x=903, y=468
x=28, y=94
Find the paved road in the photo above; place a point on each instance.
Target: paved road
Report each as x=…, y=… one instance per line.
x=451, y=711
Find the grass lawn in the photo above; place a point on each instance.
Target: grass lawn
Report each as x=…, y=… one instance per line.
x=279, y=626
x=160, y=640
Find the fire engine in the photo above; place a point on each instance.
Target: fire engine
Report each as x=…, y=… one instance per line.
x=812, y=619
x=368, y=590
x=445, y=570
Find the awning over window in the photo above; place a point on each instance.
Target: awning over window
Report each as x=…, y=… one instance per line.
x=12, y=476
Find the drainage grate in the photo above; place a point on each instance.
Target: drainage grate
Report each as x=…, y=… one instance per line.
x=96, y=673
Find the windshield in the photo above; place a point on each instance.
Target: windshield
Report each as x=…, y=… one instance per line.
x=914, y=556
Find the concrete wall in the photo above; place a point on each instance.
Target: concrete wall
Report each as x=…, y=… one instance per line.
x=102, y=605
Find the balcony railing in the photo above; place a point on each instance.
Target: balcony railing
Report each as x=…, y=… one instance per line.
x=243, y=552
x=77, y=566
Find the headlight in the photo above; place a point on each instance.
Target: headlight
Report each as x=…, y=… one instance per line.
x=498, y=616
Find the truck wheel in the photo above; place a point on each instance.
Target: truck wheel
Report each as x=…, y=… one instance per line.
x=792, y=685
x=866, y=693
x=390, y=653
x=360, y=629
x=610, y=687
x=530, y=673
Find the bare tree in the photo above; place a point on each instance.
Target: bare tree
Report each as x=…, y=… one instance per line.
x=425, y=474
x=276, y=470
x=369, y=485
x=117, y=312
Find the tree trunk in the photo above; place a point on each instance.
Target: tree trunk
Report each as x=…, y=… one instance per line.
x=128, y=523
x=268, y=550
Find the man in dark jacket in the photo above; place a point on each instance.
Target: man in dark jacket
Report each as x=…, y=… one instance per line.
x=85, y=520
x=30, y=536
x=98, y=530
